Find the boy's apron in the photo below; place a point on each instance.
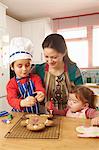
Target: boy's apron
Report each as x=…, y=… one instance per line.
x=27, y=89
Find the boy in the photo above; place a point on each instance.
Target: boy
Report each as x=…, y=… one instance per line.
x=25, y=90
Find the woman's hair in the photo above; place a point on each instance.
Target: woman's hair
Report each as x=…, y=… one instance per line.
x=57, y=42
x=85, y=95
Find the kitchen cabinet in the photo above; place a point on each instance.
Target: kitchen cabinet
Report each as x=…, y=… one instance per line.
x=2, y=17
x=4, y=73
x=13, y=27
x=4, y=77
x=4, y=104
x=36, y=31
x=9, y=28
x=4, y=68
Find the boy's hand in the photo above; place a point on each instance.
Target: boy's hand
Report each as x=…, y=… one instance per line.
x=40, y=96
x=28, y=101
x=95, y=121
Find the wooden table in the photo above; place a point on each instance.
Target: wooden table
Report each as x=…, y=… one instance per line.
x=68, y=139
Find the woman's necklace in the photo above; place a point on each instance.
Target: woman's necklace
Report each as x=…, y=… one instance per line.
x=57, y=71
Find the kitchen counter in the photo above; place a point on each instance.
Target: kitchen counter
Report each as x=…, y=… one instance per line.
x=93, y=85
x=68, y=139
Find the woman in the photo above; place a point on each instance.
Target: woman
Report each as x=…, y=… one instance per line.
x=59, y=73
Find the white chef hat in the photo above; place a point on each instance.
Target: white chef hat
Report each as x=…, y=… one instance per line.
x=20, y=48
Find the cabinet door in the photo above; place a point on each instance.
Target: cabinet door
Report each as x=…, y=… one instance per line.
x=4, y=70
x=26, y=30
x=4, y=104
x=36, y=30
x=38, y=34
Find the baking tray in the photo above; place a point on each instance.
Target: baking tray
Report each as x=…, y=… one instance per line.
x=17, y=131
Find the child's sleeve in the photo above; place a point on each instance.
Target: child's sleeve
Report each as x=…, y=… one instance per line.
x=12, y=95
x=38, y=83
x=91, y=113
x=60, y=112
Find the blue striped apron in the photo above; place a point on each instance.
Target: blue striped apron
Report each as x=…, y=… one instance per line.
x=27, y=89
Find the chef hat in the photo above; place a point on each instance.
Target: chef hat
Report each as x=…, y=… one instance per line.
x=20, y=48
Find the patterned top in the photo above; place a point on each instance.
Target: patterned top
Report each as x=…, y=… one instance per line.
x=57, y=90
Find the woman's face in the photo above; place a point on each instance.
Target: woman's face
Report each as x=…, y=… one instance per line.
x=22, y=67
x=52, y=57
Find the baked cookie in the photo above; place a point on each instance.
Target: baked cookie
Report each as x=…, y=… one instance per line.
x=35, y=122
x=48, y=116
x=49, y=123
x=30, y=115
x=24, y=123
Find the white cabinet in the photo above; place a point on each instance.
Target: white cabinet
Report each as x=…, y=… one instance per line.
x=37, y=30
x=13, y=27
x=4, y=70
x=27, y=29
x=2, y=16
x=4, y=104
x=4, y=77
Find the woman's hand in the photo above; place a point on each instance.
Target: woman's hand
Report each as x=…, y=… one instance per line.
x=47, y=106
x=28, y=101
x=40, y=96
x=95, y=121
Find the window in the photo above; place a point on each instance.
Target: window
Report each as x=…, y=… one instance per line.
x=78, y=52
x=82, y=44
x=95, y=46
x=72, y=33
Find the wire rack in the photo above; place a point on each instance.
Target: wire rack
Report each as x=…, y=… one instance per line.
x=17, y=131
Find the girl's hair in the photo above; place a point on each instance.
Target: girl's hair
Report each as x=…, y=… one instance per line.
x=57, y=42
x=85, y=95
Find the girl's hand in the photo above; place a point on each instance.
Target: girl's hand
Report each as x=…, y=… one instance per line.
x=95, y=121
x=40, y=96
x=28, y=101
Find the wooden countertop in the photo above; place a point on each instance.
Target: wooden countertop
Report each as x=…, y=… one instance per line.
x=92, y=85
x=68, y=139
